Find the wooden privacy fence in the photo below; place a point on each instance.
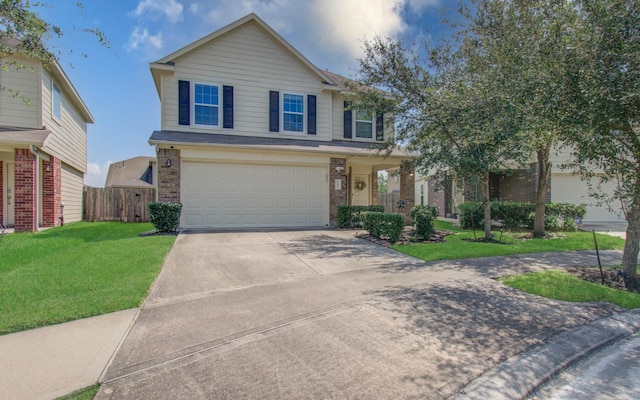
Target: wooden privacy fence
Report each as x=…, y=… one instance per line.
x=389, y=201
x=117, y=204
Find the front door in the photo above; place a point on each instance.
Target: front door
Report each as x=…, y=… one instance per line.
x=360, y=189
x=9, y=195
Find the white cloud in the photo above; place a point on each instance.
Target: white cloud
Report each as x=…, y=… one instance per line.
x=153, y=8
x=141, y=39
x=357, y=20
x=96, y=175
x=194, y=8
x=329, y=32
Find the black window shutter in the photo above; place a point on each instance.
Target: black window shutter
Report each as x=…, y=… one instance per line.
x=227, y=106
x=311, y=114
x=348, y=120
x=184, y=98
x=380, y=127
x=274, y=111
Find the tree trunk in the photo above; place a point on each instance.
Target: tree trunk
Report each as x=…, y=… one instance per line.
x=631, y=244
x=544, y=169
x=487, y=208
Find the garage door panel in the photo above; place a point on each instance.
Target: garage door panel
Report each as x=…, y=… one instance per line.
x=567, y=188
x=230, y=195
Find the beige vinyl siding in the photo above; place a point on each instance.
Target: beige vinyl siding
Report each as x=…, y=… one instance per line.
x=253, y=63
x=68, y=139
x=337, y=127
x=14, y=112
x=72, y=187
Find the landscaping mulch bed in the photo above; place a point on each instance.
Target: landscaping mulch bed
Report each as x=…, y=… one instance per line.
x=407, y=236
x=612, y=278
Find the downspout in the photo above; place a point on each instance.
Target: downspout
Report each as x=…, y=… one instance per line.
x=36, y=195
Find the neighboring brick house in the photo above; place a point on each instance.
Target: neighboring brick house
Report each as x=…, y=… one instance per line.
x=43, y=147
x=515, y=185
x=254, y=135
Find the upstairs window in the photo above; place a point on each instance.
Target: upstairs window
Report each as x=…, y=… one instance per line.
x=292, y=112
x=55, y=102
x=364, y=124
x=206, y=104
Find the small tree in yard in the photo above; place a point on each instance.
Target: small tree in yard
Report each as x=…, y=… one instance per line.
x=445, y=108
x=530, y=42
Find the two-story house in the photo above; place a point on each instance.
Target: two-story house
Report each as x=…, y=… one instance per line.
x=254, y=135
x=43, y=146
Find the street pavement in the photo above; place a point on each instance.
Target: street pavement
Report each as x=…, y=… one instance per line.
x=609, y=374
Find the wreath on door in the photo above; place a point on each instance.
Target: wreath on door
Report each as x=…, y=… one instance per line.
x=360, y=185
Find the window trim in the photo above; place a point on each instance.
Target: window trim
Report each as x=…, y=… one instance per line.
x=194, y=104
x=55, y=89
x=355, y=126
x=303, y=113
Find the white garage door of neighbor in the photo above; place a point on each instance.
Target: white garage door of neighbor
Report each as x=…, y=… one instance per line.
x=246, y=196
x=567, y=188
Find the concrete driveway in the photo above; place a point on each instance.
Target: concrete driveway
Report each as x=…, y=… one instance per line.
x=322, y=314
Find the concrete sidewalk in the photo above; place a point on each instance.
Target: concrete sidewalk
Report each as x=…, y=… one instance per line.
x=53, y=361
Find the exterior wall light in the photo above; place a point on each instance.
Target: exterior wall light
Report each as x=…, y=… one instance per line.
x=339, y=168
x=168, y=162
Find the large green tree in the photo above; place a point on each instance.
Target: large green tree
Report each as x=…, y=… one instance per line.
x=445, y=108
x=607, y=149
x=531, y=43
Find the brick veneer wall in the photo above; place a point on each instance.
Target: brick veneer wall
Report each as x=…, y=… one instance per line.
x=436, y=198
x=2, y=216
x=519, y=185
x=51, y=192
x=337, y=197
x=169, y=177
x=407, y=189
x=25, y=189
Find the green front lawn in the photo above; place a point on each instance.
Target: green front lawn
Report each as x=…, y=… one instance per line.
x=455, y=246
x=563, y=286
x=76, y=271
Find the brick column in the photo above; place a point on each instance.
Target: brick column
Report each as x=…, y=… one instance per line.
x=407, y=189
x=51, y=192
x=374, y=188
x=337, y=196
x=2, y=192
x=169, y=176
x=25, y=191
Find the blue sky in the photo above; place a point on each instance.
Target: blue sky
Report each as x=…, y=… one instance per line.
x=116, y=84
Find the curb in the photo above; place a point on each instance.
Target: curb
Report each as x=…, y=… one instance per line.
x=521, y=375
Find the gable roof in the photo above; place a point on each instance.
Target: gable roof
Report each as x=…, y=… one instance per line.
x=166, y=63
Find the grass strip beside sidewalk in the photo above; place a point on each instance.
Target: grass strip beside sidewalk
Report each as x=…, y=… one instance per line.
x=75, y=271
x=460, y=246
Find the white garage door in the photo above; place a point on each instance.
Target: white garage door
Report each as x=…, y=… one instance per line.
x=247, y=196
x=566, y=188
